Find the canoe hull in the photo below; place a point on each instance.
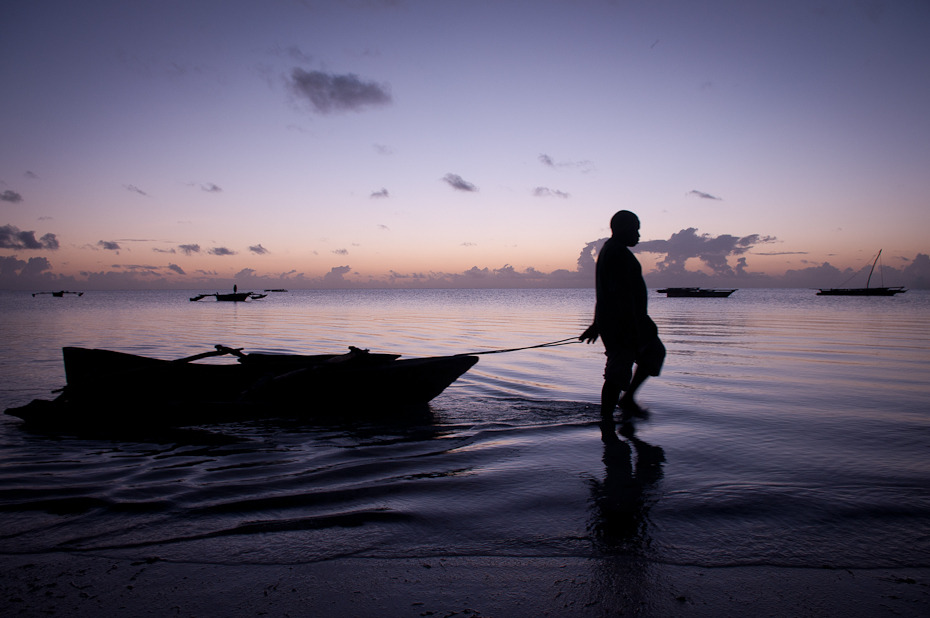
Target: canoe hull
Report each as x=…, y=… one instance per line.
x=106, y=387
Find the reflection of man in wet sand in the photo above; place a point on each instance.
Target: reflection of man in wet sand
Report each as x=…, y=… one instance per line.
x=620, y=319
x=623, y=498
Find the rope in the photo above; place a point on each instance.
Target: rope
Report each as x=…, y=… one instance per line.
x=551, y=344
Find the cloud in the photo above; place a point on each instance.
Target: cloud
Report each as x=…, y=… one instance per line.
x=211, y=188
x=383, y=227
x=176, y=269
x=380, y=194
x=11, y=266
x=587, y=259
x=341, y=251
x=713, y=251
x=11, y=237
x=189, y=249
x=258, y=249
x=108, y=245
x=221, y=251
x=245, y=273
x=547, y=192
x=295, y=53
x=157, y=250
x=336, y=277
x=458, y=183
x=135, y=189
x=381, y=149
x=34, y=273
x=32, y=175
x=584, y=166
x=11, y=196
x=704, y=196
x=327, y=92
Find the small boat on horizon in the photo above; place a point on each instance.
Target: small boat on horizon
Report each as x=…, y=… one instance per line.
x=59, y=294
x=867, y=290
x=235, y=297
x=696, y=292
x=117, y=390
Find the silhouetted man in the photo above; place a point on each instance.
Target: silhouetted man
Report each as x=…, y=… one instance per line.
x=620, y=319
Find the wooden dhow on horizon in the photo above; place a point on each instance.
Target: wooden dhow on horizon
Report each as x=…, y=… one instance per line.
x=867, y=290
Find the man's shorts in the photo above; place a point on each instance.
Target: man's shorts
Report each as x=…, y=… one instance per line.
x=619, y=367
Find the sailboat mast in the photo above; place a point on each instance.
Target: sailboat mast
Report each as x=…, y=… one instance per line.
x=873, y=268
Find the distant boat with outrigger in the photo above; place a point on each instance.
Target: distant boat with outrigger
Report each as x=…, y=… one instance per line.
x=696, y=292
x=867, y=290
x=235, y=297
x=59, y=294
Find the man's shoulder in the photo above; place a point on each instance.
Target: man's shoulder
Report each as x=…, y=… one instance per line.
x=614, y=250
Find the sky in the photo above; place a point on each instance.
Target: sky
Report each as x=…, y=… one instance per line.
x=473, y=143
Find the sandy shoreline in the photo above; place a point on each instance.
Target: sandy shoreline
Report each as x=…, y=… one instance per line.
x=84, y=585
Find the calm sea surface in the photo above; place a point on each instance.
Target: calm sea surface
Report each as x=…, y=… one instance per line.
x=786, y=429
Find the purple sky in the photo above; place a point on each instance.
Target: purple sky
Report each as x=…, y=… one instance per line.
x=473, y=143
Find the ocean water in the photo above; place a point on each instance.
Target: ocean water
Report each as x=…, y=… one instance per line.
x=786, y=429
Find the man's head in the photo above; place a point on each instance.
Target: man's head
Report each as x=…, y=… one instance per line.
x=625, y=227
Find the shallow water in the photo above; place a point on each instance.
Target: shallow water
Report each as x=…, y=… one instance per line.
x=786, y=429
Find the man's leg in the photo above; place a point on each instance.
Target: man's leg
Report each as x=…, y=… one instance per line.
x=648, y=363
x=610, y=395
x=627, y=404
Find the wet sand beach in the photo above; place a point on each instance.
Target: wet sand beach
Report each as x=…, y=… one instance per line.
x=82, y=586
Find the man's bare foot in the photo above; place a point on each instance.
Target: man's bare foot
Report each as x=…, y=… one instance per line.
x=631, y=409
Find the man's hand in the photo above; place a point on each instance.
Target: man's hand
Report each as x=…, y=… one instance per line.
x=589, y=335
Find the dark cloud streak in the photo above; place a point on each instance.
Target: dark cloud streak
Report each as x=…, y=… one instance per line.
x=11, y=196
x=458, y=183
x=584, y=166
x=704, y=196
x=327, y=92
x=135, y=189
x=547, y=192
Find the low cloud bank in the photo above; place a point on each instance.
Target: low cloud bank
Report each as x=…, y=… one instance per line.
x=687, y=258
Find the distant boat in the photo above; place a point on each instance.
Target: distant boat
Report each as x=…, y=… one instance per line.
x=59, y=294
x=277, y=290
x=866, y=291
x=695, y=292
x=235, y=297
